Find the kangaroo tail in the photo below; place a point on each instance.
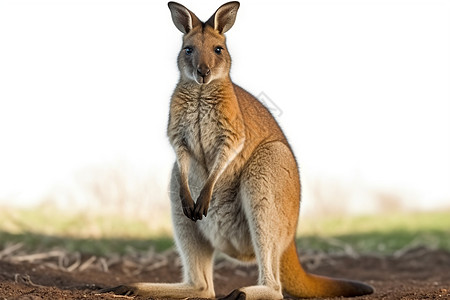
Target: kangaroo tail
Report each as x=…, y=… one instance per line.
x=296, y=282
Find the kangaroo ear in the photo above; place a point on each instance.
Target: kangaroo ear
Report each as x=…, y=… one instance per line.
x=223, y=19
x=183, y=18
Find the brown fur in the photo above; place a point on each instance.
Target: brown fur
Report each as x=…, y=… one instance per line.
x=235, y=186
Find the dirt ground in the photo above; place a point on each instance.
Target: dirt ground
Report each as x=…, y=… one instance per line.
x=417, y=273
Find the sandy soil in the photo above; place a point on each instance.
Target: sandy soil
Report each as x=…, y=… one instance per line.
x=412, y=274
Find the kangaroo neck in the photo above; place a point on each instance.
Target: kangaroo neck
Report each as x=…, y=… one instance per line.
x=212, y=93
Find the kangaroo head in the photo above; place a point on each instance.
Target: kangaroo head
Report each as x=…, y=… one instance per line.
x=204, y=56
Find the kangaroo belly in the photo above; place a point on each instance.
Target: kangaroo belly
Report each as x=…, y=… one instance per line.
x=226, y=225
x=227, y=229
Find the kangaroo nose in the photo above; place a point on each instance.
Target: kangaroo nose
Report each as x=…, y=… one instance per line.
x=203, y=70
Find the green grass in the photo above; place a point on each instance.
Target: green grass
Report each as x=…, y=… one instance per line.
x=49, y=221
x=43, y=229
x=383, y=234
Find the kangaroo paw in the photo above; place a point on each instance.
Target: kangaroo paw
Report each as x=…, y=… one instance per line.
x=235, y=295
x=122, y=290
x=202, y=204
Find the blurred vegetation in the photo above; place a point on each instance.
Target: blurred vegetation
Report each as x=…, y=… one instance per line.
x=382, y=234
x=45, y=228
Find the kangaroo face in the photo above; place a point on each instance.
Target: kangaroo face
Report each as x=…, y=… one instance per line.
x=204, y=56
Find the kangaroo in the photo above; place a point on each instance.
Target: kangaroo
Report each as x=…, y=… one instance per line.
x=233, y=159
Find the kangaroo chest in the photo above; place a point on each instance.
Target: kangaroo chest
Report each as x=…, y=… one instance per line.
x=201, y=130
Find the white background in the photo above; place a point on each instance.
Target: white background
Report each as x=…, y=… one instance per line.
x=363, y=87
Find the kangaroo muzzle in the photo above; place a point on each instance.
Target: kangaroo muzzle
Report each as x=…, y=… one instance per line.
x=203, y=74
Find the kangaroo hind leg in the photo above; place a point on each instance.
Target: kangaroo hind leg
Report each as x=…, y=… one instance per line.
x=269, y=191
x=196, y=254
x=197, y=281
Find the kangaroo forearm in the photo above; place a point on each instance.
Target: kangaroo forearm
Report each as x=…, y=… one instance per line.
x=224, y=158
x=226, y=153
x=183, y=160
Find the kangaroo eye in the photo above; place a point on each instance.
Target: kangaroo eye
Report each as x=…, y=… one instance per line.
x=188, y=50
x=218, y=50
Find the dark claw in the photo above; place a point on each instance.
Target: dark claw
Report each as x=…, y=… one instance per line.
x=235, y=295
x=198, y=211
